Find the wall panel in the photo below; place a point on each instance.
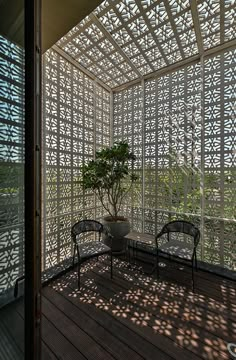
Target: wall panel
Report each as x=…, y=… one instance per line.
x=11, y=166
x=128, y=126
x=76, y=114
x=189, y=149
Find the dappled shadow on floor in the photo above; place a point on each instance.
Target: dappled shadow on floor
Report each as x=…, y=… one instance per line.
x=183, y=324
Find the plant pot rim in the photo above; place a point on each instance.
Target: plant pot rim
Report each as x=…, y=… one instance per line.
x=109, y=219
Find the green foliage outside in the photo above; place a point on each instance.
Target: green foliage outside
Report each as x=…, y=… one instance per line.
x=10, y=173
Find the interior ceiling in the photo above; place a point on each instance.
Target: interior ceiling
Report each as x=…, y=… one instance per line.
x=12, y=20
x=59, y=16
x=123, y=40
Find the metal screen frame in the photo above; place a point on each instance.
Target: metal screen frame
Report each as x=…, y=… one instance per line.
x=189, y=141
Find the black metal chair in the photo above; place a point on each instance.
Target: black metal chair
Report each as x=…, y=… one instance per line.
x=91, y=248
x=179, y=248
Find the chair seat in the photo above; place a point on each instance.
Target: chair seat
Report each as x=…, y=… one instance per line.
x=93, y=248
x=178, y=248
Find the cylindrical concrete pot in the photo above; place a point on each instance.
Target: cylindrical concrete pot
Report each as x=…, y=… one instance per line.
x=118, y=229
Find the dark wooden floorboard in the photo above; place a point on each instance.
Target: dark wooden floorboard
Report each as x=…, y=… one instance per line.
x=70, y=330
x=207, y=285
x=124, y=333
x=212, y=285
x=133, y=316
x=58, y=343
x=164, y=315
x=9, y=349
x=169, y=318
x=92, y=327
x=47, y=353
x=14, y=326
x=173, y=304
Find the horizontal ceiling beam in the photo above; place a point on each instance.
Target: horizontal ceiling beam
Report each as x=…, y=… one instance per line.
x=80, y=67
x=180, y=64
x=106, y=33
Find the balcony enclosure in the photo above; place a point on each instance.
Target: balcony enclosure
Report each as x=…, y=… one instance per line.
x=160, y=75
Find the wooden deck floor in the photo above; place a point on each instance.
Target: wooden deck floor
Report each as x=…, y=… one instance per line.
x=135, y=317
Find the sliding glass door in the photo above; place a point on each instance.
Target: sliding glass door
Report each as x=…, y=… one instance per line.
x=19, y=119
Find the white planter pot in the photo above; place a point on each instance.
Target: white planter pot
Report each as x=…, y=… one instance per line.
x=118, y=229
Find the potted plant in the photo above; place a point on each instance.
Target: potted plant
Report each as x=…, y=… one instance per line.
x=110, y=176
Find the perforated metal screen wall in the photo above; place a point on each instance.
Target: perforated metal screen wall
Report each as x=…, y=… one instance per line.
x=76, y=123
x=11, y=165
x=187, y=150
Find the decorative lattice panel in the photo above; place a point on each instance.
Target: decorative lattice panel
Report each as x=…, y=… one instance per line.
x=189, y=149
x=217, y=21
x=94, y=51
x=102, y=128
x=124, y=40
x=76, y=113
x=220, y=158
x=11, y=164
x=172, y=143
x=128, y=126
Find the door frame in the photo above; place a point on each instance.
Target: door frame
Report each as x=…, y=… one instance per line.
x=32, y=46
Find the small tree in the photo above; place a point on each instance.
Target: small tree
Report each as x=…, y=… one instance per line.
x=110, y=176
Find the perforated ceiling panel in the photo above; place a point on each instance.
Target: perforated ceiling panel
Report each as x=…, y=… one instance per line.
x=128, y=39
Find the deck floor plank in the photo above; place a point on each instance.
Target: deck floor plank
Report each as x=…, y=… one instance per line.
x=83, y=342
x=92, y=327
x=166, y=316
x=172, y=321
x=132, y=316
x=127, y=335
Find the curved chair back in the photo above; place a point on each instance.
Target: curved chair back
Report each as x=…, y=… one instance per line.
x=181, y=226
x=86, y=226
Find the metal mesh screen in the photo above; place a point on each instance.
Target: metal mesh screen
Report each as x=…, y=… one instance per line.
x=188, y=150
x=128, y=126
x=76, y=114
x=11, y=164
x=123, y=40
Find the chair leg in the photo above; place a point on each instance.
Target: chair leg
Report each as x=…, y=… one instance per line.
x=78, y=275
x=78, y=270
x=193, y=273
x=74, y=256
x=134, y=253
x=196, y=262
x=111, y=265
x=129, y=254
x=157, y=264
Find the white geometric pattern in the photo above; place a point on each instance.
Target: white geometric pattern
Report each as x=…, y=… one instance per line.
x=180, y=125
x=190, y=161
x=76, y=123
x=126, y=39
x=11, y=164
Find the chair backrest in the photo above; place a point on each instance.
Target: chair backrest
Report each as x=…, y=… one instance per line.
x=86, y=226
x=181, y=226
